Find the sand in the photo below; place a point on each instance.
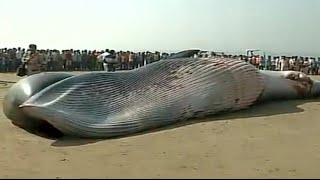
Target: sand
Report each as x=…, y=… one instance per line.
x=274, y=140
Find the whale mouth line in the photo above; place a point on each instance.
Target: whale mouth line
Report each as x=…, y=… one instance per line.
x=43, y=129
x=48, y=131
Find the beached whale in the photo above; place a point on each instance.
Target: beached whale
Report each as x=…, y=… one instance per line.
x=108, y=104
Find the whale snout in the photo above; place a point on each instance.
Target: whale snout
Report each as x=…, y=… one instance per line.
x=301, y=83
x=21, y=91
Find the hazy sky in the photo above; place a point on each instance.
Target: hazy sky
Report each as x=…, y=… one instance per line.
x=277, y=26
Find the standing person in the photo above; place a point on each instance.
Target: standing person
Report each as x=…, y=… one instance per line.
x=93, y=60
x=85, y=60
x=111, y=61
x=318, y=65
x=157, y=56
x=31, y=60
x=98, y=64
x=79, y=61
x=291, y=64
x=252, y=60
x=2, y=61
x=49, y=57
x=19, y=55
x=123, y=60
x=68, y=56
x=63, y=59
x=282, y=66
x=268, y=61
x=312, y=66
x=126, y=60
x=74, y=55
x=101, y=59
x=301, y=62
x=90, y=61
x=273, y=64
x=43, y=60
x=139, y=60
x=143, y=59
x=285, y=64
x=262, y=63
x=306, y=66
x=131, y=61
x=5, y=60
x=149, y=58
x=296, y=63
x=56, y=60
x=165, y=55
x=10, y=59
x=257, y=61
x=279, y=63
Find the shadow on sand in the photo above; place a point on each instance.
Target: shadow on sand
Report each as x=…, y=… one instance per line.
x=258, y=110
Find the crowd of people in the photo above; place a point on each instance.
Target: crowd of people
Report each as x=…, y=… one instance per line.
x=87, y=60
x=307, y=65
x=75, y=60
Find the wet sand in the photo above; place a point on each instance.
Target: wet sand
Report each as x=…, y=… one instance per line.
x=273, y=140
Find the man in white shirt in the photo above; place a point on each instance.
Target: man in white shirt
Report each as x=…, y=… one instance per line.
x=74, y=60
x=278, y=64
x=291, y=63
x=109, y=60
x=312, y=66
x=19, y=55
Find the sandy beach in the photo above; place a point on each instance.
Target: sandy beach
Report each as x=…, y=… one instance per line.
x=273, y=140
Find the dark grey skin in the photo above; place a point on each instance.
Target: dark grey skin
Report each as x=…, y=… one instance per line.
x=277, y=86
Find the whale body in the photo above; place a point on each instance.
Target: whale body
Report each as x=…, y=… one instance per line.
x=108, y=104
